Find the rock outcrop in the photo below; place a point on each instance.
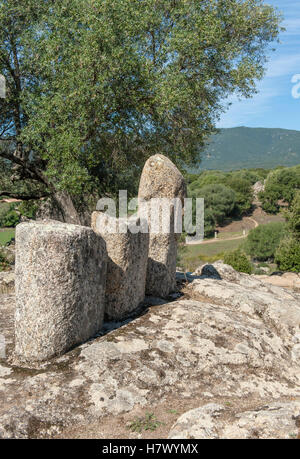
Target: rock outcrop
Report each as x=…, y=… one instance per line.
x=7, y=282
x=274, y=420
x=60, y=287
x=161, y=179
x=228, y=349
x=288, y=280
x=257, y=188
x=127, y=263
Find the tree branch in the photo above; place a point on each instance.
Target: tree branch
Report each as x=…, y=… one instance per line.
x=36, y=174
x=23, y=197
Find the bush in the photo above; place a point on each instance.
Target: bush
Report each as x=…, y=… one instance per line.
x=243, y=192
x=287, y=255
x=4, y=263
x=219, y=201
x=239, y=261
x=10, y=217
x=293, y=216
x=282, y=184
x=28, y=209
x=263, y=241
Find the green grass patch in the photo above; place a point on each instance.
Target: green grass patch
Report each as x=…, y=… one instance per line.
x=6, y=236
x=191, y=256
x=213, y=248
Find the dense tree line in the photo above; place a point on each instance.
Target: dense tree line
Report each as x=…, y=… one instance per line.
x=227, y=195
x=281, y=187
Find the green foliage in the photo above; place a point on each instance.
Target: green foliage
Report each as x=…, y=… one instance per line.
x=149, y=422
x=263, y=241
x=239, y=261
x=4, y=208
x=206, y=178
x=287, y=255
x=238, y=203
x=243, y=193
x=293, y=216
x=96, y=87
x=4, y=263
x=219, y=203
x=10, y=218
x=10, y=214
x=28, y=209
x=282, y=184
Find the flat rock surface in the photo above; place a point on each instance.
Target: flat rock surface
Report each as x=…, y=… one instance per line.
x=233, y=345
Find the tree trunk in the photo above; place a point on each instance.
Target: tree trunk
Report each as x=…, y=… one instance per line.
x=61, y=207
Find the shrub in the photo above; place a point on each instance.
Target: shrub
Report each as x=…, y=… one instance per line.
x=4, y=263
x=10, y=217
x=287, y=255
x=293, y=216
x=281, y=184
x=28, y=209
x=239, y=261
x=243, y=192
x=263, y=241
x=219, y=201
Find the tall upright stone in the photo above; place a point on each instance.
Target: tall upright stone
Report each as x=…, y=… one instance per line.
x=161, y=179
x=60, y=288
x=127, y=249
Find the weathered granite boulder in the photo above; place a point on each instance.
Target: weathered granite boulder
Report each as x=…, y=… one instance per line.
x=274, y=420
x=161, y=179
x=127, y=263
x=7, y=282
x=60, y=286
x=217, y=270
x=235, y=344
x=288, y=280
x=257, y=188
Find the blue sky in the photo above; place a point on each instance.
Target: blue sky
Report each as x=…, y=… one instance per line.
x=274, y=106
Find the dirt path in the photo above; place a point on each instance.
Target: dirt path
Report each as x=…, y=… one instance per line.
x=213, y=241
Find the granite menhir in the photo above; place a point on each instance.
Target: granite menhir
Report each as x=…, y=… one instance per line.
x=161, y=179
x=127, y=247
x=60, y=288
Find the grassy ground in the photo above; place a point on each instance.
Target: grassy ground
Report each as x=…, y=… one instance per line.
x=6, y=235
x=190, y=257
x=229, y=234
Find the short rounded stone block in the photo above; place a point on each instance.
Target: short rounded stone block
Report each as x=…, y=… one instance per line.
x=127, y=248
x=60, y=288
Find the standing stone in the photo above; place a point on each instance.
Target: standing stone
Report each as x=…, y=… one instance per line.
x=127, y=263
x=60, y=288
x=161, y=179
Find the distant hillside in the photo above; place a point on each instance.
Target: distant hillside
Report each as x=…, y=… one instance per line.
x=243, y=148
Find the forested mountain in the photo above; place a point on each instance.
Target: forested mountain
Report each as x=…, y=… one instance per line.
x=242, y=147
